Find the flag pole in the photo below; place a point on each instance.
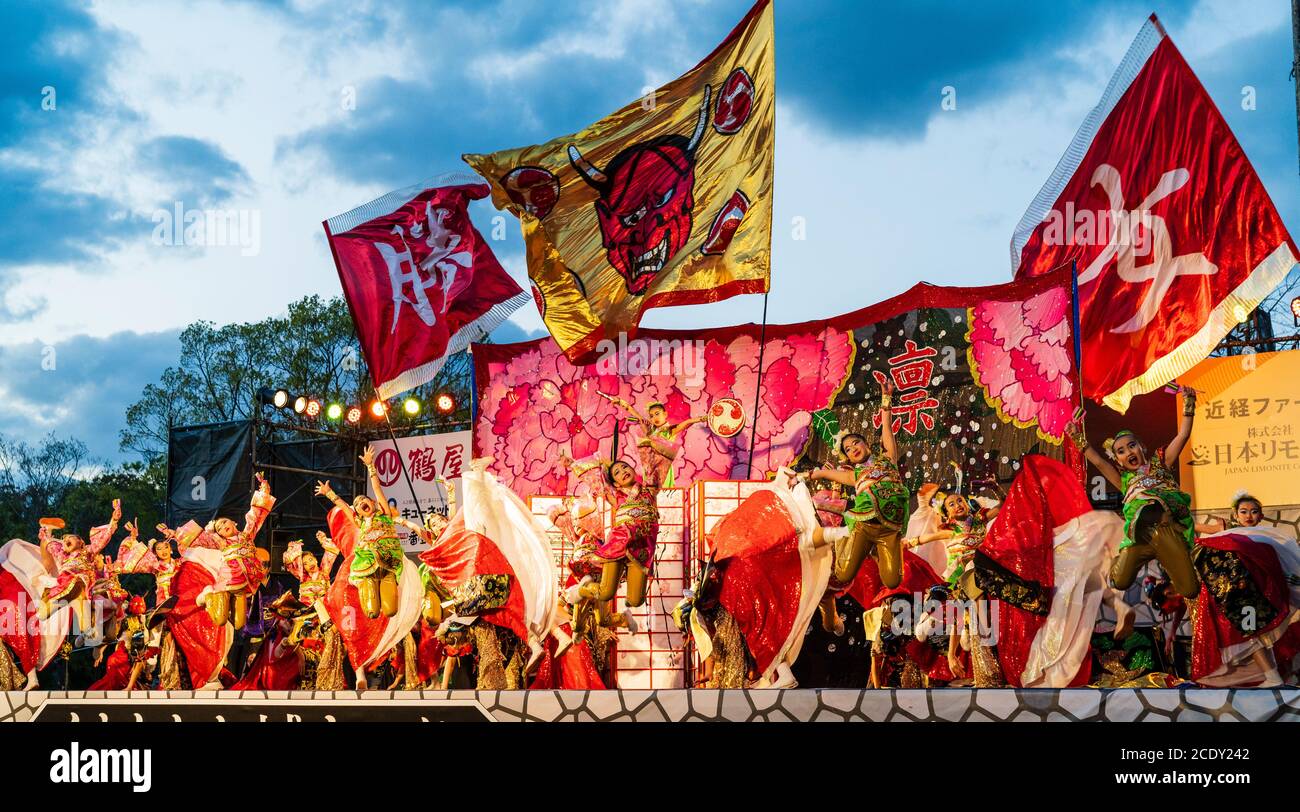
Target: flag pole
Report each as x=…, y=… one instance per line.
x=1295, y=66
x=1077, y=332
x=1075, y=329
x=758, y=387
x=402, y=465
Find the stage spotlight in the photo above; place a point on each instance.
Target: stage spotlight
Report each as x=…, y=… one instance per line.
x=299, y=404
x=411, y=406
x=444, y=403
x=378, y=409
x=334, y=412
x=313, y=409
x=272, y=397
x=354, y=414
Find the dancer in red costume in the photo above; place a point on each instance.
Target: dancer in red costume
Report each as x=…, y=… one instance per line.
x=313, y=576
x=772, y=567
x=567, y=663
x=219, y=565
x=1044, y=563
x=71, y=562
x=129, y=661
x=278, y=663
x=1268, y=658
x=30, y=638
x=154, y=557
x=629, y=545
x=493, y=563
x=367, y=630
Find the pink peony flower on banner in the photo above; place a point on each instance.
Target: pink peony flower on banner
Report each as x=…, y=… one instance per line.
x=537, y=406
x=1021, y=356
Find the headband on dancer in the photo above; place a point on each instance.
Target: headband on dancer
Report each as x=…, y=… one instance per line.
x=1243, y=495
x=1109, y=445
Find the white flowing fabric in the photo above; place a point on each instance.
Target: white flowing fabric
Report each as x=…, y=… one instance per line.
x=1239, y=668
x=815, y=571
x=494, y=511
x=410, y=599
x=23, y=560
x=924, y=521
x=1082, y=550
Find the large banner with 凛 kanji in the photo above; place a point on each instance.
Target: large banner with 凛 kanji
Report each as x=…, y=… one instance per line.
x=419, y=468
x=1247, y=431
x=983, y=376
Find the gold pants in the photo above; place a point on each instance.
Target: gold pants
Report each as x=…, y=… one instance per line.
x=871, y=538
x=603, y=591
x=1160, y=540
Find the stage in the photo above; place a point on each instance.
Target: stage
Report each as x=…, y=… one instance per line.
x=937, y=705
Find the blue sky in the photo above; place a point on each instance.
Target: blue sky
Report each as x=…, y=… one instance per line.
x=241, y=105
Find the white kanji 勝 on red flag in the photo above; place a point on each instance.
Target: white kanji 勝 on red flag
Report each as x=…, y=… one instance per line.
x=1174, y=236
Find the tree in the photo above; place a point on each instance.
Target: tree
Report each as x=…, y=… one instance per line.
x=311, y=350
x=33, y=478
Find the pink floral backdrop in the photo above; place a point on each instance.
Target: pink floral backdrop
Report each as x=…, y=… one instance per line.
x=983, y=374
x=534, y=405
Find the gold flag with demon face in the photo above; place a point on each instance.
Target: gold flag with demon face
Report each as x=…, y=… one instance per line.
x=665, y=202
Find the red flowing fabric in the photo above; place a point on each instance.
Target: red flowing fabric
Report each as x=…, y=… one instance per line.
x=269, y=673
x=461, y=554
x=197, y=637
x=868, y=590
x=756, y=550
x=574, y=670
x=361, y=635
x=1213, y=629
x=428, y=653
x=1045, y=495
x=117, y=672
x=19, y=629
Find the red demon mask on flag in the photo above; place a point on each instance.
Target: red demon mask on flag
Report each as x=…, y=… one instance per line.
x=665, y=202
x=646, y=197
x=1174, y=238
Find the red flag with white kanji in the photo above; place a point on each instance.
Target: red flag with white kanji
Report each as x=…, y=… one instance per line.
x=1176, y=240
x=420, y=280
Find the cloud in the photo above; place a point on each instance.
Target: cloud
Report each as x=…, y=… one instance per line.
x=880, y=68
x=198, y=172
x=80, y=387
x=241, y=103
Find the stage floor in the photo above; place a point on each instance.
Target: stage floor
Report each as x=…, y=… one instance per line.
x=944, y=704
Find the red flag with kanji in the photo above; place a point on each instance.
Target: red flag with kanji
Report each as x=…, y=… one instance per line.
x=1176, y=240
x=420, y=280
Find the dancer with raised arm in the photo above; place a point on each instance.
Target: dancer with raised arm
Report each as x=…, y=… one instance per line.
x=628, y=549
x=377, y=561
x=875, y=518
x=374, y=608
x=219, y=571
x=1157, y=513
x=71, y=561
x=661, y=441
